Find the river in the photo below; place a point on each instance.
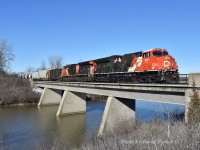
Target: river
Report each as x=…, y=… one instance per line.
x=29, y=127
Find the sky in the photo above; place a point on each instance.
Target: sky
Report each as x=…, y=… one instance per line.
x=81, y=30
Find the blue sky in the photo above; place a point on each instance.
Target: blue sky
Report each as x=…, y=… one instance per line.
x=80, y=30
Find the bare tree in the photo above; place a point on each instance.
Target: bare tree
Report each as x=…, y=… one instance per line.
x=6, y=55
x=55, y=62
x=43, y=65
x=30, y=69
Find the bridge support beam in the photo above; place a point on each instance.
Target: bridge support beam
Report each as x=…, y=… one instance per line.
x=187, y=101
x=116, y=111
x=72, y=103
x=50, y=97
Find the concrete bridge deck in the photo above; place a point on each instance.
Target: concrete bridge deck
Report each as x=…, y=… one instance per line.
x=153, y=92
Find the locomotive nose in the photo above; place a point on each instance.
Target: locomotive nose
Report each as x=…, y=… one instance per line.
x=167, y=62
x=172, y=62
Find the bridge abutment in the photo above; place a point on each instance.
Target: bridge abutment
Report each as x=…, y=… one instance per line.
x=50, y=97
x=116, y=111
x=72, y=103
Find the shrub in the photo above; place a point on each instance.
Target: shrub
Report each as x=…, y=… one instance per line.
x=14, y=90
x=194, y=105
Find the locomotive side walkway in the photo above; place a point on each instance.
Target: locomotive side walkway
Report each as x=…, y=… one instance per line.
x=120, y=105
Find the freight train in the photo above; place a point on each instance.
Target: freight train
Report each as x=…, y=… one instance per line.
x=154, y=65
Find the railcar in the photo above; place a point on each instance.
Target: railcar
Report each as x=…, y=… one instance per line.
x=40, y=75
x=77, y=72
x=154, y=65
x=35, y=75
x=53, y=74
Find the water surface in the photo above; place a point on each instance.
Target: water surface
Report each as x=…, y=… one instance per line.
x=26, y=127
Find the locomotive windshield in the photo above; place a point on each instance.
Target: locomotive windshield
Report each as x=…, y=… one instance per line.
x=165, y=53
x=157, y=53
x=160, y=53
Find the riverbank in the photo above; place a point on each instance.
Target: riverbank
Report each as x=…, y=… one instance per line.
x=147, y=135
x=16, y=92
x=143, y=135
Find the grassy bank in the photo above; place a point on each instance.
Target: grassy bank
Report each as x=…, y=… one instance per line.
x=16, y=91
x=154, y=135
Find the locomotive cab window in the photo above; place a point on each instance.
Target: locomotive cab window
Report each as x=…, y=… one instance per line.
x=165, y=53
x=160, y=53
x=146, y=55
x=157, y=53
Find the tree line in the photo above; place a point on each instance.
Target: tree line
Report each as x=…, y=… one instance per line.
x=54, y=62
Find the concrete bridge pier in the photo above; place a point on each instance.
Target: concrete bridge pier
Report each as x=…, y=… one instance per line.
x=187, y=101
x=72, y=103
x=50, y=97
x=116, y=111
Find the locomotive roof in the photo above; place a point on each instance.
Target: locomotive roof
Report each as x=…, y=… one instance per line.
x=106, y=59
x=100, y=60
x=133, y=53
x=84, y=63
x=154, y=49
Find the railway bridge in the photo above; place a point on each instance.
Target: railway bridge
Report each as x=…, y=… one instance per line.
x=120, y=105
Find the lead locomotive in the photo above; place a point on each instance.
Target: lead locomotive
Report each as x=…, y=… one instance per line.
x=154, y=65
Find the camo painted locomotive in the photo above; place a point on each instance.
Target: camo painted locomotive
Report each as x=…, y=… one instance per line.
x=154, y=65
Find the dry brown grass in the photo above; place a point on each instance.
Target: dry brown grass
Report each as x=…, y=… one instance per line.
x=147, y=135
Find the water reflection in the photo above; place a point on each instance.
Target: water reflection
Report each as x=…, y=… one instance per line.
x=27, y=127
x=70, y=129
